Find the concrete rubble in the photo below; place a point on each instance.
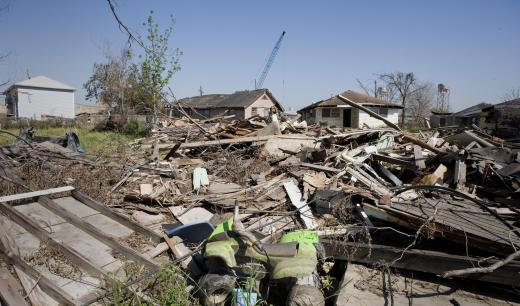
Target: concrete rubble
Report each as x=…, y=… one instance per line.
x=428, y=217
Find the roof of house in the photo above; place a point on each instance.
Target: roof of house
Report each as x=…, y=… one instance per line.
x=356, y=97
x=475, y=109
x=238, y=99
x=515, y=103
x=41, y=82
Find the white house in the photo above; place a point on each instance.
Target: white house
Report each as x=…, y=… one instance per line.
x=39, y=97
x=336, y=113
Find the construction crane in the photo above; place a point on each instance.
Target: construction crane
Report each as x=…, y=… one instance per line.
x=261, y=79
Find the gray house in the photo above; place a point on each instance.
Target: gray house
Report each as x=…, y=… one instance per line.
x=39, y=98
x=243, y=104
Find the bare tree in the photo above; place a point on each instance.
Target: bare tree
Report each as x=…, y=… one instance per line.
x=379, y=90
x=406, y=85
x=420, y=104
x=512, y=94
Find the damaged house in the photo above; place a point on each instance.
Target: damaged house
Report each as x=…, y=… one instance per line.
x=243, y=104
x=503, y=119
x=465, y=117
x=336, y=113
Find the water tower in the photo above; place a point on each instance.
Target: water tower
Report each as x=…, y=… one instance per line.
x=382, y=93
x=443, y=97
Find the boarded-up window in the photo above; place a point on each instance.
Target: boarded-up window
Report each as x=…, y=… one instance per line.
x=330, y=112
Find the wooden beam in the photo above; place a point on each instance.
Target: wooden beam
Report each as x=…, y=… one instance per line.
x=297, y=201
x=219, y=142
x=106, y=211
x=395, y=180
x=33, y=194
x=419, y=260
x=321, y=168
x=105, y=238
x=32, y=227
x=10, y=290
x=422, y=144
x=44, y=283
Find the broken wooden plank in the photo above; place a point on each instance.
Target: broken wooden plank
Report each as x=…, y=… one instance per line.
x=44, y=283
x=321, y=168
x=419, y=260
x=105, y=238
x=419, y=158
x=33, y=194
x=297, y=201
x=32, y=227
x=179, y=250
x=106, y=211
x=10, y=290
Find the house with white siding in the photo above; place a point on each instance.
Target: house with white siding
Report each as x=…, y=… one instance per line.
x=39, y=98
x=336, y=113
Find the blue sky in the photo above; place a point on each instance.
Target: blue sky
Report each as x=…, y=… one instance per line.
x=473, y=46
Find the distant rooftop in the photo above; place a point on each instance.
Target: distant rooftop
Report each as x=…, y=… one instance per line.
x=42, y=82
x=357, y=97
x=242, y=98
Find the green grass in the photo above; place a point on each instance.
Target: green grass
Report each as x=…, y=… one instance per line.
x=93, y=142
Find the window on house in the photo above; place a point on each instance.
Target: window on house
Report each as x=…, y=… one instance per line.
x=254, y=111
x=330, y=112
x=383, y=111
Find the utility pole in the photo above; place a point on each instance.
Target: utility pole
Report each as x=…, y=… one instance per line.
x=200, y=90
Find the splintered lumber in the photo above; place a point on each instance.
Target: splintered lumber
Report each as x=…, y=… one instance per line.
x=103, y=209
x=479, y=139
x=459, y=175
x=369, y=182
x=419, y=159
x=368, y=111
x=32, y=227
x=105, y=238
x=297, y=201
x=179, y=250
x=420, y=260
x=10, y=289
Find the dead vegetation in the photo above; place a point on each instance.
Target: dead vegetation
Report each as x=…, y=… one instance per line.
x=441, y=202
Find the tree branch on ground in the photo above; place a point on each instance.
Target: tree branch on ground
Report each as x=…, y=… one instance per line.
x=489, y=269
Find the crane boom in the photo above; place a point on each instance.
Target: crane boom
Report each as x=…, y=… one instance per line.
x=269, y=63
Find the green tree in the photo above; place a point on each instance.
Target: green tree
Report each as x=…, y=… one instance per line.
x=156, y=67
x=109, y=82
